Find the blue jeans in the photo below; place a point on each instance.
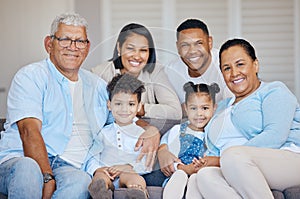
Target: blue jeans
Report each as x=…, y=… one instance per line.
x=22, y=178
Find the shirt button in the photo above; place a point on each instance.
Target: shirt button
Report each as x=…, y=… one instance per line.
x=119, y=145
x=119, y=139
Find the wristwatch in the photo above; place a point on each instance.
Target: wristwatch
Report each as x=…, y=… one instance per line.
x=47, y=177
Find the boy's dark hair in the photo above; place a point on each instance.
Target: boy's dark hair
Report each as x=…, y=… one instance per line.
x=191, y=88
x=192, y=23
x=125, y=83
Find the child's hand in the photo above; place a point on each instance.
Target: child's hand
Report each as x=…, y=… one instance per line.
x=207, y=161
x=188, y=168
x=101, y=171
x=199, y=163
x=116, y=170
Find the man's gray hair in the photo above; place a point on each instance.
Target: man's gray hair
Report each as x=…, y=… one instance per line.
x=68, y=19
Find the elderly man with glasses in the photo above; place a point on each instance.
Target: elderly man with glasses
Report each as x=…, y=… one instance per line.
x=55, y=110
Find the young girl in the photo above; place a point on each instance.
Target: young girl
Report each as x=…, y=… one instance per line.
x=186, y=139
x=118, y=158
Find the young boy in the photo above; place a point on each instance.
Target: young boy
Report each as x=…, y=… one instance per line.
x=118, y=157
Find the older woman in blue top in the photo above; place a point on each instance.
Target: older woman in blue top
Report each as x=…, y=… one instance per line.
x=253, y=140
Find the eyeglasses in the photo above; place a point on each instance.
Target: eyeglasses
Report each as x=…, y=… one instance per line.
x=67, y=42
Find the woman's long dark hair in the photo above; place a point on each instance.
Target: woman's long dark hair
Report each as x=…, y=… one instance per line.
x=127, y=31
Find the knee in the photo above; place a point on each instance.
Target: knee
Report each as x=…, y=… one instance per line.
x=27, y=168
x=193, y=177
x=180, y=174
x=234, y=158
x=22, y=170
x=206, y=176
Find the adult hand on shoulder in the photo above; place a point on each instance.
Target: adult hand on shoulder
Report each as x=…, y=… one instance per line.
x=49, y=189
x=141, y=112
x=166, y=160
x=149, y=142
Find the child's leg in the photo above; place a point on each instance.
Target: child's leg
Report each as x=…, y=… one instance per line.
x=192, y=190
x=132, y=179
x=176, y=185
x=101, y=186
x=136, y=185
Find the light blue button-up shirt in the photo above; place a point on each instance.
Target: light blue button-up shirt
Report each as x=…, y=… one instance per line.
x=40, y=91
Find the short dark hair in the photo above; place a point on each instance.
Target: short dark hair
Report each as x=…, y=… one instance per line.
x=127, y=31
x=125, y=83
x=211, y=90
x=192, y=23
x=249, y=49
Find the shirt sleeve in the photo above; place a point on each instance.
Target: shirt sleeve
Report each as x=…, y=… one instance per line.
x=168, y=105
x=93, y=163
x=25, y=97
x=278, y=109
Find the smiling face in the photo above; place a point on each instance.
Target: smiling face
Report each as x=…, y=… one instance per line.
x=239, y=71
x=194, y=47
x=67, y=59
x=124, y=107
x=134, y=54
x=199, y=109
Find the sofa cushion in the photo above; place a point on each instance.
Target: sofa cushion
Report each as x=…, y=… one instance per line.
x=278, y=194
x=292, y=193
x=154, y=192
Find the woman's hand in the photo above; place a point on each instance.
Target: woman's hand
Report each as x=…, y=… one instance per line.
x=149, y=142
x=166, y=160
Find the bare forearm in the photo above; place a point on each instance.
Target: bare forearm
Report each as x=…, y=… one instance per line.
x=33, y=143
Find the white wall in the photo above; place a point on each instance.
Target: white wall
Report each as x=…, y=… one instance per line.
x=24, y=24
x=273, y=26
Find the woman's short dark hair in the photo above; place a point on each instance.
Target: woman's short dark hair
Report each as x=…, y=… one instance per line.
x=192, y=23
x=249, y=49
x=127, y=31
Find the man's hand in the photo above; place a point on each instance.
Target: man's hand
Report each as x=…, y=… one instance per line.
x=149, y=142
x=166, y=160
x=49, y=189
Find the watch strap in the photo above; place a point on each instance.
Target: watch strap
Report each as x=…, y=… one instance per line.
x=47, y=177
